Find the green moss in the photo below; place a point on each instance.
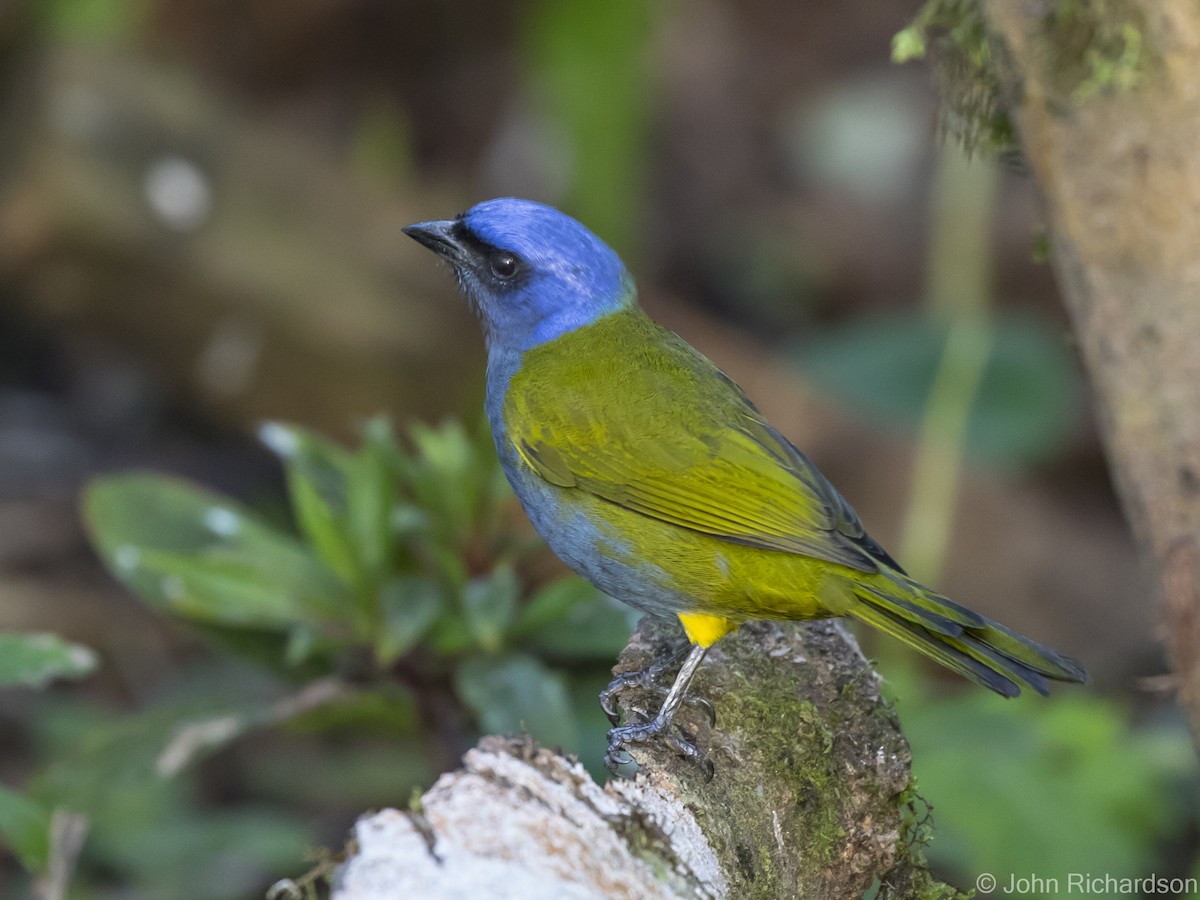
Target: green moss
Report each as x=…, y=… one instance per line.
x=956, y=32
x=1099, y=47
x=416, y=802
x=808, y=761
x=796, y=752
x=1093, y=47
x=910, y=878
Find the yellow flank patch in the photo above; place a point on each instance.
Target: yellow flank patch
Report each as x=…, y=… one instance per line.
x=704, y=629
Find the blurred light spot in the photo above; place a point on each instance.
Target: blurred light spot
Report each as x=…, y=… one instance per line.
x=866, y=137
x=227, y=362
x=224, y=522
x=173, y=588
x=178, y=192
x=127, y=558
x=408, y=519
x=279, y=439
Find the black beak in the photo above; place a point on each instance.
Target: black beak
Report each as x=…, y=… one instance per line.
x=442, y=237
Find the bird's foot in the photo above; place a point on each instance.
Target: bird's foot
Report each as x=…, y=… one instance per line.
x=618, y=754
x=648, y=679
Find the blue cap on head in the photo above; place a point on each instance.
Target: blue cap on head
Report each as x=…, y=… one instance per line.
x=531, y=272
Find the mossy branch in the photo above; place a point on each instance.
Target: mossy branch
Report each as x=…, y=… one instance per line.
x=812, y=795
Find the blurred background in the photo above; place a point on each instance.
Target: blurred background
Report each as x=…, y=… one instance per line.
x=258, y=571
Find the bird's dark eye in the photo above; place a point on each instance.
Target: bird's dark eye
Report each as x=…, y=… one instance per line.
x=504, y=265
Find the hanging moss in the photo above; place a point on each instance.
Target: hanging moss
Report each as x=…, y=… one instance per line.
x=1098, y=47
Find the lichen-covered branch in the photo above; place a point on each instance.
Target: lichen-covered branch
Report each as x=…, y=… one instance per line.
x=812, y=796
x=1107, y=104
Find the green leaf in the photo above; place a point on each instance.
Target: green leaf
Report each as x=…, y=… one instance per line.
x=450, y=635
x=445, y=479
x=553, y=603
x=371, y=499
x=25, y=828
x=324, y=463
x=411, y=604
x=489, y=605
x=322, y=526
x=33, y=660
x=515, y=693
x=884, y=365
x=597, y=629
x=185, y=549
x=317, y=475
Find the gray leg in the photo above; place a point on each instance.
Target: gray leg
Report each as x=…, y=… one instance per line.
x=659, y=726
x=648, y=680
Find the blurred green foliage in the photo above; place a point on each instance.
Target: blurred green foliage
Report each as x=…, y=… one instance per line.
x=33, y=660
x=401, y=560
x=1044, y=787
x=25, y=829
x=885, y=364
x=91, y=20
x=569, y=48
x=392, y=627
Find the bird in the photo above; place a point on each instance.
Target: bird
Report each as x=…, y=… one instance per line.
x=649, y=472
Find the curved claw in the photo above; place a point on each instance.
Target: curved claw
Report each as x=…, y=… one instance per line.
x=617, y=757
x=660, y=725
x=623, y=680
x=628, y=734
x=645, y=678
x=710, y=711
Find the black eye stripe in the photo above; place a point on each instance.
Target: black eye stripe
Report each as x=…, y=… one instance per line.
x=503, y=266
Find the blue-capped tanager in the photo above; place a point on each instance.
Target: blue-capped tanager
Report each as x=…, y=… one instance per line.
x=650, y=473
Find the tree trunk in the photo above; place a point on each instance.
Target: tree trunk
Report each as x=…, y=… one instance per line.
x=1120, y=171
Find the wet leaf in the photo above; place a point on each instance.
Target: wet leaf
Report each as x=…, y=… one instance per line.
x=33, y=660
x=187, y=550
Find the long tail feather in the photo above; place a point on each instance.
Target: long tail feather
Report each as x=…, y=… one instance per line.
x=963, y=641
